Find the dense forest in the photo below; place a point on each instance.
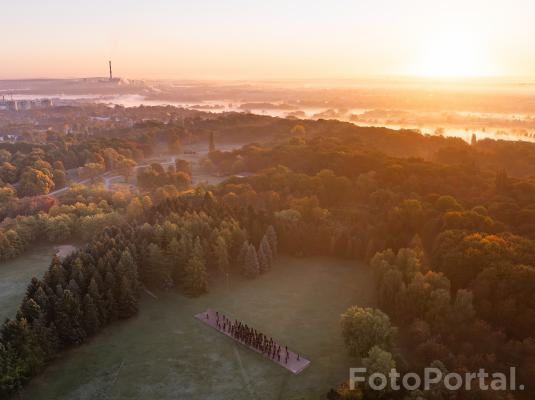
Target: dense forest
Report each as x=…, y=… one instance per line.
x=447, y=227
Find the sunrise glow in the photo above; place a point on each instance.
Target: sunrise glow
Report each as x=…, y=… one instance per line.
x=453, y=54
x=232, y=40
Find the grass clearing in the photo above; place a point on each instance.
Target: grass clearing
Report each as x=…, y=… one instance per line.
x=165, y=353
x=15, y=275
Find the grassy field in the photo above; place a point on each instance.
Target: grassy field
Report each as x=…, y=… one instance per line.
x=15, y=275
x=165, y=353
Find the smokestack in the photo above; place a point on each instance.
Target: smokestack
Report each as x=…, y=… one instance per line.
x=111, y=76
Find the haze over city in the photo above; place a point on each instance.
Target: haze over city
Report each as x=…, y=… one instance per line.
x=237, y=39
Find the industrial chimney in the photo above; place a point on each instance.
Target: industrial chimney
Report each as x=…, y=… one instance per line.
x=111, y=76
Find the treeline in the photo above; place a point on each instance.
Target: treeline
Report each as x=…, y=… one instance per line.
x=176, y=244
x=463, y=295
x=82, y=214
x=442, y=326
x=37, y=169
x=189, y=235
x=514, y=156
x=76, y=298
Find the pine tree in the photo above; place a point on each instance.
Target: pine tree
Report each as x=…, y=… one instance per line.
x=174, y=255
x=265, y=257
x=91, y=316
x=24, y=354
x=33, y=287
x=242, y=256
x=220, y=254
x=110, y=281
x=41, y=298
x=46, y=336
x=238, y=237
x=77, y=273
x=110, y=306
x=55, y=274
x=128, y=268
x=29, y=309
x=94, y=291
x=195, y=276
x=127, y=301
x=273, y=241
x=157, y=273
x=186, y=246
x=69, y=319
x=251, y=268
x=74, y=288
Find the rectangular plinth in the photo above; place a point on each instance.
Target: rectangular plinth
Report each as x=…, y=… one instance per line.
x=294, y=364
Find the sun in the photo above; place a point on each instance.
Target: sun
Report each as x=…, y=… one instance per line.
x=453, y=54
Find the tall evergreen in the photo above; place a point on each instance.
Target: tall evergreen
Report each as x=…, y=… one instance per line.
x=220, y=254
x=91, y=319
x=69, y=319
x=55, y=274
x=242, y=255
x=174, y=254
x=272, y=239
x=157, y=271
x=110, y=305
x=265, y=256
x=29, y=309
x=251, y=267
x=127, y=304
x=195, y=276
x=128, y=268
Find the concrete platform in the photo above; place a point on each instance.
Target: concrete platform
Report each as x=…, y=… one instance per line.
x=294, y=365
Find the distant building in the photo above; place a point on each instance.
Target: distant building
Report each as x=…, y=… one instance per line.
x=8, y=105
x=22, y=105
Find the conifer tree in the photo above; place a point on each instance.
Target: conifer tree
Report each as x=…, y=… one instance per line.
x=29, y=309
x=55, y=274
x=186, y=246
x=23, y=353
x=110, y=306
x=243, y=254
x=32, y=288
x=90, y=316
x=157, y=273
x=220, y=253
x=94, y=291
x=251, y=268
x=74, y=288
x=175, y=260
x=127, y=301
x=128, y=268
x=265, y=256
x=77, y=272
x=195, y=276
x=69, y=318
x=41, y=298
x=47, y=336
x=272, y=239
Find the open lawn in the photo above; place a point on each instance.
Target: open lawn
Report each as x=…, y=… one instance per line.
x=15, y=275
x=165, y=353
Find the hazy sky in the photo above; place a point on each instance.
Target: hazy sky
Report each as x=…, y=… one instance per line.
x=271, y=39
